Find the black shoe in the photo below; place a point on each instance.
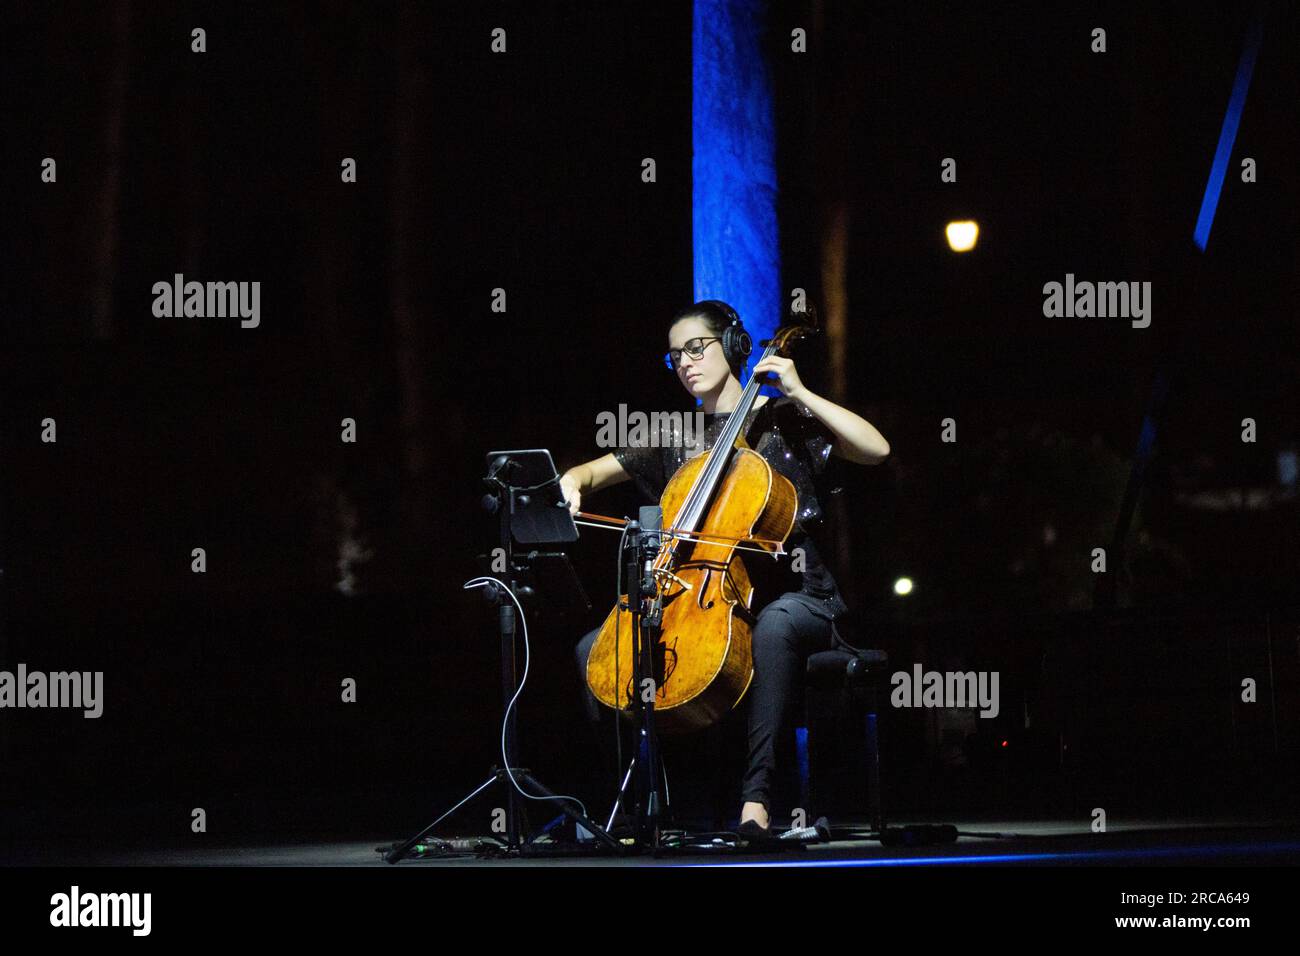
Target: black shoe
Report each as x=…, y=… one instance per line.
x=751, y=830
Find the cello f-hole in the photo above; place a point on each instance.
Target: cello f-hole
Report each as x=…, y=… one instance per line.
x=704, y=586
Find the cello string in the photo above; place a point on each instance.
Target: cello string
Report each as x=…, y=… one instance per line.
x=695, y=502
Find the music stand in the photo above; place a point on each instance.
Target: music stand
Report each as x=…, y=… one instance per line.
x=527, y=498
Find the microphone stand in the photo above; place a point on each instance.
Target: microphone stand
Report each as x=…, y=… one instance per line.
x=507, y=499
x=642, y=549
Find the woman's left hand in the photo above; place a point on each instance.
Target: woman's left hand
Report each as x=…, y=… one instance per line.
x=783, y=375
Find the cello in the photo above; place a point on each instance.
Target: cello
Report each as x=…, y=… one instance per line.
x=723, y=501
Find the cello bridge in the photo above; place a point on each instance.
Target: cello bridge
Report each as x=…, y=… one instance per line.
x=665, y=573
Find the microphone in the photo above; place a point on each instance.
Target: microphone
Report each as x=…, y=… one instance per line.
x=819, y=832
x=651, y=519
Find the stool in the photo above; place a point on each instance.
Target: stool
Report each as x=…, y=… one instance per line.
x=858, y=673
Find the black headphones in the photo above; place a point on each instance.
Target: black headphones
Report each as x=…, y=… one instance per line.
x=736, y=343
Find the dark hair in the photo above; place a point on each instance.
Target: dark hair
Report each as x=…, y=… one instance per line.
x=717, y=316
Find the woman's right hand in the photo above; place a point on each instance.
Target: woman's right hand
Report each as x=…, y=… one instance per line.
x=569, y=487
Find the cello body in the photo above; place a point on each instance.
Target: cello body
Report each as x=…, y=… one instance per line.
x=702, y=661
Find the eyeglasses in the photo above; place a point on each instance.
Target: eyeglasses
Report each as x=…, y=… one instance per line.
x=694, y=348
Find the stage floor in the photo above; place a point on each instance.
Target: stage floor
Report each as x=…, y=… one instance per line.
x=1151, y=842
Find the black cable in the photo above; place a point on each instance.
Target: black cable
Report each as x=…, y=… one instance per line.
x=618, y=730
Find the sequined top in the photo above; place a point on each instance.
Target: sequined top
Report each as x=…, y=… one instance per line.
x=796, y=444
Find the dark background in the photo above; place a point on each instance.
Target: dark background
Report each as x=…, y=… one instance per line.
x=522, y=171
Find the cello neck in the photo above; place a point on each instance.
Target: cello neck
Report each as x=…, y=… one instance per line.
x=701, y=494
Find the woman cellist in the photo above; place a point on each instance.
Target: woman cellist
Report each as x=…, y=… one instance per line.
x=796, y=434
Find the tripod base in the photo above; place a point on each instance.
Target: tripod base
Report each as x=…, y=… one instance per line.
x=527, y=782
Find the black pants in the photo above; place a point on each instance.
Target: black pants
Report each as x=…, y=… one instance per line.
x=787, y=631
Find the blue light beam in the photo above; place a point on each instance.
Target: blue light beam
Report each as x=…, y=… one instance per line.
x=1228, y=133
x=733, y=167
